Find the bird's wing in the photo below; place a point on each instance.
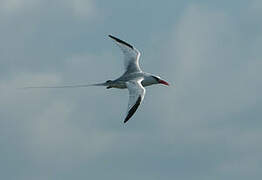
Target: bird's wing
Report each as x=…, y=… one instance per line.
x=131, y=55
x=136, y=96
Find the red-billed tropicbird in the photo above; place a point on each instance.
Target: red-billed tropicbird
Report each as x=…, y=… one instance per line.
x=134, y=79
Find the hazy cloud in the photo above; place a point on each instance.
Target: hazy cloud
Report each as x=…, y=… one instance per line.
x=206, y=127
x=79, y=8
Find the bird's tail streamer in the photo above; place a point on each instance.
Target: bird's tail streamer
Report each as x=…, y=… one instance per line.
x=69, y=86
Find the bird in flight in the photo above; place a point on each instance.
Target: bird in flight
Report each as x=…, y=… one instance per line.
x=134, y=79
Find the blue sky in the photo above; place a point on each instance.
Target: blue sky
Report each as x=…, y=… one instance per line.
x=206, y=127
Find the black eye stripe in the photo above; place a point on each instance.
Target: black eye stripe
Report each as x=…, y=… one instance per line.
x=157, y=79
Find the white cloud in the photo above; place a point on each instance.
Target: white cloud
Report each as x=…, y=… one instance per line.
x=54, y=132
x=212, y=64
x=80, y=9
x=48, y=123
x=17, y=6
x=214, y=60
x=217, y=74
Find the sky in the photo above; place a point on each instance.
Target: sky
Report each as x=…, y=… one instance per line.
x=206, y=125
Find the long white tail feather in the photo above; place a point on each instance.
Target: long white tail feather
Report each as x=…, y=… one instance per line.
x=71, y=86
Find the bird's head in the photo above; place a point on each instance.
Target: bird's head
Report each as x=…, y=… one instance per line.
x=158, y=80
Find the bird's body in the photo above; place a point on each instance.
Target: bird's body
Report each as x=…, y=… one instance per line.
x=134, y=79
x=120, y=82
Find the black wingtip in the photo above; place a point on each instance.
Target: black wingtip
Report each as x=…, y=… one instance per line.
x=126, y=119
x=133, y=109
x=111, y=36
x=120, y=41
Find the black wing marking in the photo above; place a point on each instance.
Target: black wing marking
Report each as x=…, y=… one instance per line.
x=121, y=41
x=133, y=109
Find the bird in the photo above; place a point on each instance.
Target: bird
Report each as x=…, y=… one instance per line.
x=133, y=78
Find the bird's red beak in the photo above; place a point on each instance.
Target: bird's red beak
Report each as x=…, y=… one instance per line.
x=163, y=82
